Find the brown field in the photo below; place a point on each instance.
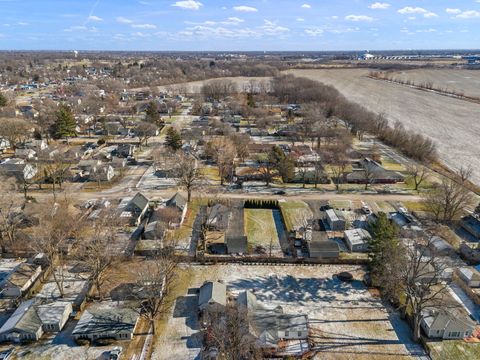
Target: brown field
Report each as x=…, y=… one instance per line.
x=466, y=81
x=451, y=123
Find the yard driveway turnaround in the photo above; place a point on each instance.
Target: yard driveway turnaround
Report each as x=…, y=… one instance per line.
x=346, y=320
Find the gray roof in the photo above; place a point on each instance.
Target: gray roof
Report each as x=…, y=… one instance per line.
x=25, y=318
x=321, y=246
x=110, y=320
x=178, y=201
x=139, y=201
x=215, y=292
x=53, y=312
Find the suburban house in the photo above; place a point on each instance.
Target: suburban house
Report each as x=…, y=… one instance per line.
x=54, y=315
x=212, y=296
x=335, y=220
x=440, y=246
x=27, y=154
x=470, y=276
x=17, y=283
x=19, y=169
x=154, y=231
x=106, y=322
x=321, y=247
x=23, y=325
x=134, y=209
x=445, y=324
x=472, y=225
x=30, y=321
x=357, y=239
x=368, y=171
x=271, y=326
x=179, y=202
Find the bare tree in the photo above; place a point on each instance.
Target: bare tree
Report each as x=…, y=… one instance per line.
x=188, y=174
x=55, y=169
x=418, y=173
x=15, y=131
x=155, y=282
x=10, y=211
x=223, y=151
x=448, y=200
x=145, y=131
x=422, y=281
x=338, y=170
x=229, y=333
x=58, y=224
x=94, y=250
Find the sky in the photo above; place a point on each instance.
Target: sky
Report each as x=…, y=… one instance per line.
x=260, y=25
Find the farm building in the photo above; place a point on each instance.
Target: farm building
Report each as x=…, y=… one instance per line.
x=357, y=239
x=335, y=219
x=321, y=247
x=212, y=296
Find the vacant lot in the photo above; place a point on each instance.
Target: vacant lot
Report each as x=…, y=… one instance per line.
x=450, y=122
x=261, y=230
x=346, y=320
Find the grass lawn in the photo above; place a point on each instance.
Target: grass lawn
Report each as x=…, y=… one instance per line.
x=211, y=173
x=260, y=228
x=390, y=164
x=295, y=213
x=454, y=350
x=414, y=205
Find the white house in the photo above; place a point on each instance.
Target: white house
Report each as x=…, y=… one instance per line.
x=357, y=239
x=54, y=315
x=445, y=324
x=23, y=325
x=19, y=169
x=470, y=276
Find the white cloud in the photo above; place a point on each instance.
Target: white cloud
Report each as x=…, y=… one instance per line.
x=412, y=10
x=244, y=8
x=469, y=14
x=22, y=23
x=188, y=4
x=453, y=11
x=359, y=18
x=123, y=20
x=233, y=21
x=430, y=15
x=271, y=28
x=94, y=18
x=140, y=34
x=300, y=19
x=144, y=26
x=417, y=10
x=314, y=31
x=379, y=6
x=306, y=6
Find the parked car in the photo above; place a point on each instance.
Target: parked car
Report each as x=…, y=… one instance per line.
x=279, y=192
x=115, y=353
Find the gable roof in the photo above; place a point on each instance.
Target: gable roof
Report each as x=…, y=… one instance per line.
x=140, y=201
x=178, y=201
x=212, y=291
x=110, y=320
x=25, y=318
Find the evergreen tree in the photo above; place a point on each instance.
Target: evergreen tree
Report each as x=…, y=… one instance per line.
x=151, y=113
x=3, y=100
x=173, y=139
x=65, y=123
x=283, y=164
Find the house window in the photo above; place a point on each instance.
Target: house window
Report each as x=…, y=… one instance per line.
x=286, y=333
x=299, y=334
